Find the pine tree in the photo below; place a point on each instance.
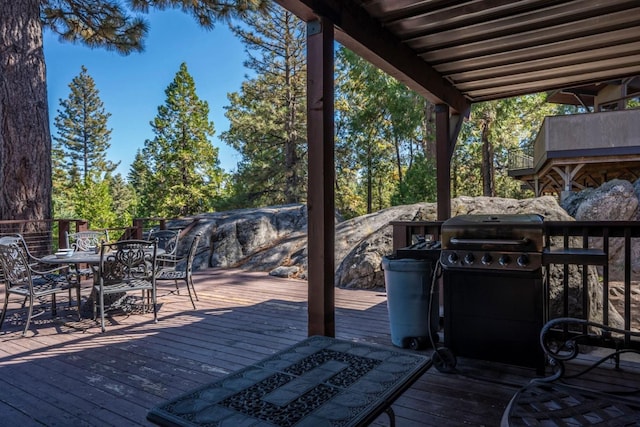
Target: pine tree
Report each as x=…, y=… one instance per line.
x=62, y=188
x=82, y=132
x=139, y=177
x=268, y=117
x=25, y=136
x=382, y=135
x=123, y=201
x=81, y=172
x=92, y=201
x=182, y=175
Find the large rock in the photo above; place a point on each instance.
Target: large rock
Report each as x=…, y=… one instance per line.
x=616, y=200
x=231, y=238
x=267, y=239
x=241, y=235
x=274, y=240
x=360, y=267
x=613, y=201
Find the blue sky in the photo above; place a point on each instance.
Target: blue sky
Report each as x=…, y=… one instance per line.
x=132, y=87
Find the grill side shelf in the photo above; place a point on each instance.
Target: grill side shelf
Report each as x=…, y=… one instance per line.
x=576, y=256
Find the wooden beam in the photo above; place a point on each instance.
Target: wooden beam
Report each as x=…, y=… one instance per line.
x=321, y=197
x=373, y=42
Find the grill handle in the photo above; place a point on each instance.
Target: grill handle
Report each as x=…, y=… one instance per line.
x=484, y=242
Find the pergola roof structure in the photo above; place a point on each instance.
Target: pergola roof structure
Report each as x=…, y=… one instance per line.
x=453, y=53
x=459, y=52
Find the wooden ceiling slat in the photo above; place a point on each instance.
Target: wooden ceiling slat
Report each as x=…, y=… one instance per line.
x=555, y=15
x=501, y=91
x=569, y=71
x=536, y=68
x=570, y=46
x=541, y=36
x=463, y=15
x=392, y=10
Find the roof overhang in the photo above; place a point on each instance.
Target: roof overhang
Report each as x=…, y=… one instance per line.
x=460, y=52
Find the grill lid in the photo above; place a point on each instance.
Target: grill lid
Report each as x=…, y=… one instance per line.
x=492, y=242
x=506, y=232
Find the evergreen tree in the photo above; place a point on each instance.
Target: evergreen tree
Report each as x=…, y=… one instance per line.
x=181, y=173
x=419, y=183
x=62, y=188
x=268, y=118
x=26, y=138
x=479, y=164
x=83, y=135
x=82, y=181
x=382, y=129
x=139, y=178
x=92, y=201
x=123, y=201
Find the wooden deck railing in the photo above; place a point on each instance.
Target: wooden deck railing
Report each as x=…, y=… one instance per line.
x=45, y=236
x=607, y=249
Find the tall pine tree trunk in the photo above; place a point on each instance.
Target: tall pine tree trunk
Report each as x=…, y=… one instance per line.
x=488, y=188
x=292, y=189
x=25, y=139
x=369, y=183
x=429, y=143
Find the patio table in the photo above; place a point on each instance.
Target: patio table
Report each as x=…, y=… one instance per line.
x=90, y=258
x=319, y=381
x=80, y=257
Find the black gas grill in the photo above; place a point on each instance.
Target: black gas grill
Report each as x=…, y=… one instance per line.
x=493, y=287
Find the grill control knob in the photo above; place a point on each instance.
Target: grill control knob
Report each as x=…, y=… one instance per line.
x=453, y=258
x=523, y=260
x=504, y=260
x=486, y=259
x=469, y=258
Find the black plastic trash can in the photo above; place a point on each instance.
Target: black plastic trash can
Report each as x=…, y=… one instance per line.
x=409, y=290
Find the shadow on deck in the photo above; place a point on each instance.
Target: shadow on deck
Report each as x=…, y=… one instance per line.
x=68, y=373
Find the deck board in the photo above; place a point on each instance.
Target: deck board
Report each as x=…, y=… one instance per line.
x=68, y=373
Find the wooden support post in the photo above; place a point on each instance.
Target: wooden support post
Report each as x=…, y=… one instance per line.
x=138, y=227
x=63, y=229
x=320, y=199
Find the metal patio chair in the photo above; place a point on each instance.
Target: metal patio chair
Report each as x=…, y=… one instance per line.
x=86, y=241
x=34, y=261
x=126, y=265
x=567, y=397
x=168, y=240
x=181, y=269
x=22, y=279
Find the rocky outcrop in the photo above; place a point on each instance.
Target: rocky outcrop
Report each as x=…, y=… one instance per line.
x=616, y=200
x=274, y=239
x=232, y=238
x=360, y=267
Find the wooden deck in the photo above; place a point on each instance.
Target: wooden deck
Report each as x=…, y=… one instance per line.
x=68, y=373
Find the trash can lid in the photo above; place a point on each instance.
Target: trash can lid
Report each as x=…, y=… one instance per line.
x=392, y=263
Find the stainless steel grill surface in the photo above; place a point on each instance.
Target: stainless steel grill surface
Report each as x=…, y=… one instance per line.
x=496, y=242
